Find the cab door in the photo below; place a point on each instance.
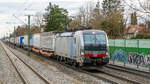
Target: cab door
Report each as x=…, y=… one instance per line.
x=76, y=46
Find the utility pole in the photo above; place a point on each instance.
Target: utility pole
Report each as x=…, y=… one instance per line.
x=29, y=34
x=40, y=36
x=14, y=36
x=9, y=39
x=4, y=36
x=66, y=23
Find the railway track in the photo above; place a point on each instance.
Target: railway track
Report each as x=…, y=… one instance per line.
x=26, y=72
x=89, y=73
x=116, y=78
x=140, y=77
x=103, y=75
x=129, y=70
x=99, y=74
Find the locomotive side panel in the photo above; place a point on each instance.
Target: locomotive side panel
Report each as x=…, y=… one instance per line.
x=64, y=47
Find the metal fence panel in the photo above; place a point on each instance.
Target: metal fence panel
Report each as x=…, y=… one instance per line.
x=130, y=51
x=144, y=43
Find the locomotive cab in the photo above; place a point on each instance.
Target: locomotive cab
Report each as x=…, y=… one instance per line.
x=92, y=46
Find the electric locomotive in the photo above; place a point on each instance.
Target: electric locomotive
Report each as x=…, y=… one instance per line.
x=83, y=48
x=95, y=47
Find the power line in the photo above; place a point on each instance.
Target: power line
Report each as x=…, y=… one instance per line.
x=19, y=11
x=14, y=11
x=22, y=5
x=19, y=19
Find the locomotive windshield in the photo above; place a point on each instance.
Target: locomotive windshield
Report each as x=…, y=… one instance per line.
x=95, y=42
x=95, y=39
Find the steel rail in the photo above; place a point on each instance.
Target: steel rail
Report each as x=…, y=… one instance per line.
x=129, y=70
x=95, y=75
x=20, y=75
x=38, y=74
x=119, y=77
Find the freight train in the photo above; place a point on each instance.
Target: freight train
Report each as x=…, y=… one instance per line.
x=79, y=48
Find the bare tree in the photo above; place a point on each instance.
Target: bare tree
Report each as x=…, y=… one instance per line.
x=38, y=19
x=84, y=16
x=142, y=6
x=76, y=22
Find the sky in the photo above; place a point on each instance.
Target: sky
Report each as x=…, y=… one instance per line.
x=10, y=9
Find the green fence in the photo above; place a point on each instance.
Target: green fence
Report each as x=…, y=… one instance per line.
x=130, y=51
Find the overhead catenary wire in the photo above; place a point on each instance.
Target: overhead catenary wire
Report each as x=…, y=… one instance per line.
x=11, y=11
x=19, y=20
x=23, y=10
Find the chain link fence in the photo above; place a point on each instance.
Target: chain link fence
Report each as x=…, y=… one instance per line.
x=136, y=52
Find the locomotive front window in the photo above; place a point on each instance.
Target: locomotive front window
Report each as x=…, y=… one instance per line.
x=94, y=39
x=100, y=39
x=89, y=39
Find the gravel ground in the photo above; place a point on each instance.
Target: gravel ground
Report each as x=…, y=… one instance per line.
x=58, y=71
x=8, y=74
x=26, y=72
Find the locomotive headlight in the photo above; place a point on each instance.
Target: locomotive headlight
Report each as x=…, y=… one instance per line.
x=82, y=53
x=107, y=54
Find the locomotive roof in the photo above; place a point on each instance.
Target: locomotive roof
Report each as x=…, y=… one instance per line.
x=92, y=31
x=70, y=34
x=66, y=34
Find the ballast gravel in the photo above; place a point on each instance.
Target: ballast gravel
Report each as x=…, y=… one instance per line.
x=8, y=74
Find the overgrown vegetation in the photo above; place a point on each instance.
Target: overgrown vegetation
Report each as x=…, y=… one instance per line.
x=142, y=36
